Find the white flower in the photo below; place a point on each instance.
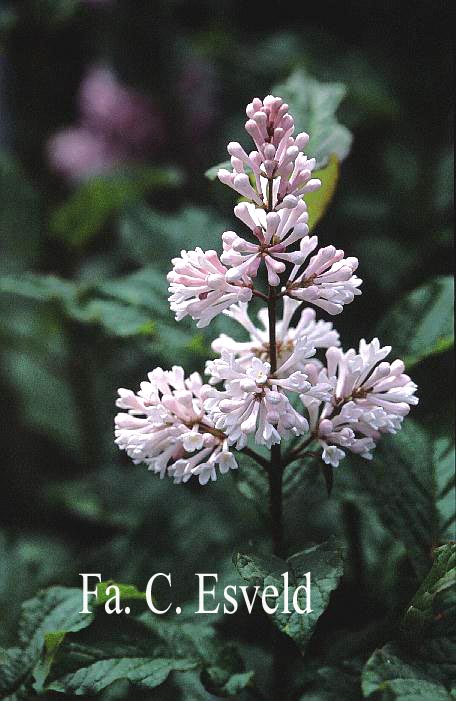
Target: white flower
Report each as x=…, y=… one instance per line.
x=319, y=334
x=199, y=288
x=165, y=422
x=369, y=397
x=327, y=281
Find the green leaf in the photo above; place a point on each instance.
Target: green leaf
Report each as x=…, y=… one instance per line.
x=117, y=319
x=127, y=592
x=324, y=562
x=226, y=676
x=422, y=665
x=45, y=620
x=252, y=483
x=332, y=684
x=154, y=237
x=29, y=562
x=313, y=106
x=426, y=605
x=145, y=672
x=211, y=173
x=31, y=379
x=319, y=200
x=145, y=288
x=82, y=216
x=51, y=610
x=12, y=675
x=421, y=324
x=40, y=288
x=408, y=482
x=392, y=674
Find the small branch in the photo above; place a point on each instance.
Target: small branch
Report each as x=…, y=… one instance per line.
x=257, y=457
x=260, y=294
x=296, y=452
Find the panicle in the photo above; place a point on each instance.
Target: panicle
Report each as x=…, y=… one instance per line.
x=370, y=397
x=165, y=426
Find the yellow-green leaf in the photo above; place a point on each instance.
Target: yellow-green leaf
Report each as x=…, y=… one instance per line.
x=318, y=201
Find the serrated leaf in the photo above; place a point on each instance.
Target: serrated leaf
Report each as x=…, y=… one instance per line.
x=313, y=106
x=324, y=562
x=421, y=324
x=424, y=608
x=319, y=200
x=392, y=674
x=52, y=612
x=82, y=216
x=407, y=482
x=144, y=672
x=422, y=665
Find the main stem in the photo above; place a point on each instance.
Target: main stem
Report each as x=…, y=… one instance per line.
x=275, y=474
x=275, y=467
x=275, y=471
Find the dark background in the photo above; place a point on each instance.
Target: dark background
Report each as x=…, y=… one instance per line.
x=68, y=500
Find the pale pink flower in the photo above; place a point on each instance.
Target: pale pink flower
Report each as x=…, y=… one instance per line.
x=166, y=427
x=370, y=397
x=274, y=231
x=199, y=288
x=254, y=401
x=328, y=280
x=319, y=334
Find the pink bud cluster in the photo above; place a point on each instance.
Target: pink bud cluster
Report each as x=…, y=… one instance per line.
x=272, y=386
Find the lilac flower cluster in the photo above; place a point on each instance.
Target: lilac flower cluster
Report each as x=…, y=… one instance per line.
x=271, y=387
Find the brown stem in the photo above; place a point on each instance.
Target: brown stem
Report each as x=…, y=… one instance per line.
x=275, y=467
x=260, y=294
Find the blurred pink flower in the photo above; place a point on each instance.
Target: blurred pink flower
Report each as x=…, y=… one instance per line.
x=77, y=153
x=107, y=105
x=117, y=125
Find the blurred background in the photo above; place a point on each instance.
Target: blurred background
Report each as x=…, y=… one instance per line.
x=111, y=112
